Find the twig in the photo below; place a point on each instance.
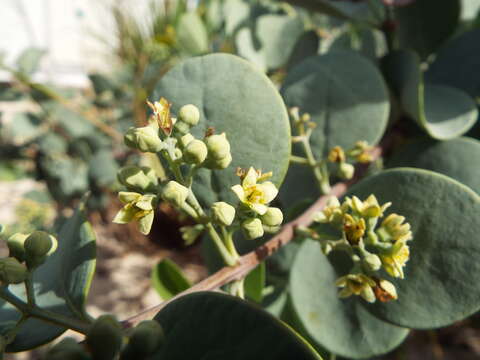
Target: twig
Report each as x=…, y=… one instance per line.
x=248, y=262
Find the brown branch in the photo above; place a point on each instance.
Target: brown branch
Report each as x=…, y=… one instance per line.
x=249, y=261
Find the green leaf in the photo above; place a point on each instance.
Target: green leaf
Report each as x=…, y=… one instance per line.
x=29, y=60
x=168, y=279
x=61, y=284
x=456, y=64
x=440, y=278
x=425, y=25
x=236, y=13
x=443, y=112
x=213, y=326
x=307, y=45
x=344, y=10
x=24, y=127
x=255, y=283
x=270, y=41
x=341, y=326
x=347, y=99
x=234, y=98
x=456, y=158
x=192, y=35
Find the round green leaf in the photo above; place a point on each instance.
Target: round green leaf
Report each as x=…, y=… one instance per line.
x=270, y=42
x=61, y=285
x=424, y=25
x=456, y=64
x=456, y=158
x=234, y=98
x=444, y=112
x=439, y=286
x=347, y=99
x=341, y=326
x=213, y=326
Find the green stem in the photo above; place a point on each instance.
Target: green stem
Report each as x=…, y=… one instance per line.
x=237, y=288
x=228, y=240
x=322, y=180
x=174, y=167
x=45, y=315
x=299, y=160
x=223, y=251
x=29, y=289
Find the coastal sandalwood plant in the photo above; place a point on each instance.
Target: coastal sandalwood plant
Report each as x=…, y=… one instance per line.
x=337, y=211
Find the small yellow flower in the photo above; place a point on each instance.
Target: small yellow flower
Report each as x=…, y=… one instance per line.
x=161, y=113
x=336, y=155
x=396, y=258
x=369, y=208
x=254, y=195
x=394, y=228
x=137, y=207
x=354, y=229
x=357, y=284
x=332, y=212
x=362, y=152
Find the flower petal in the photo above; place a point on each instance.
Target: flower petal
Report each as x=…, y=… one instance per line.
x=125, y=215
x=127, y=196
x=145, y=223
x=258, y=208
x=238, y=190
x=250, y=179
x=270, y=191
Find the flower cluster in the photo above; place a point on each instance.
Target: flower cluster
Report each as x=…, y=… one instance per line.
x=171, y=139
x=343, y=160
x=372, y=245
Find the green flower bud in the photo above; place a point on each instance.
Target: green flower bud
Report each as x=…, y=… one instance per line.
x=195, y=152
x=189, y=114
x=273, y=217
x=140, y=179
x=67, y=349
x=191, y=233
x=218, y=146
x=218, y=164
x=252, y=228
x=16, y=245
x=185, y=139
x=38, y=246
x=223, y=213
x=372, y=262
x=145, y=339
x=104, y=339
x=346, y=171
x=12, y=271
x=144, y=139
x=175, y=193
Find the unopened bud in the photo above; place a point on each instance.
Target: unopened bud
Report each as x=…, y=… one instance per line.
x=346, y=171
x=139, y=179
x=175, y=193
x=146, y=338
x=252, y=228
x=218, y=146
x=195, y=152
x=273, y=217
x=16, y=246
x=385, y=291
x=372, y=262
x=145, y=139
x=218, y=164
x=38, y=246
x=189, y=114
x=67, y=349
x=104, y=339
x=185, y=139
x=12, y=271
x=223, y=213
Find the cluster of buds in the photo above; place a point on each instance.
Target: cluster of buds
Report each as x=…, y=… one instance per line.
x=371, y=244
x=169, y=137
x=106, y=340
x=26, y=253
x=343, y=159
